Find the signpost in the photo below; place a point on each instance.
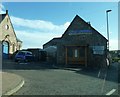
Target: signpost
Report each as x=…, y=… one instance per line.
x=98, y=50
x=77, y=32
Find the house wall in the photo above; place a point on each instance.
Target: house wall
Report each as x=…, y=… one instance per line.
x=89, y=40
x=0, y=54
x=9, y=35
x=60, y=54
x=19, y=45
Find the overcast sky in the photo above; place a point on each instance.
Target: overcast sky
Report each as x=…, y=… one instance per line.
x=36, y=23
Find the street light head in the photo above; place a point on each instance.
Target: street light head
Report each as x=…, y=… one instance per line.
x=108, y=10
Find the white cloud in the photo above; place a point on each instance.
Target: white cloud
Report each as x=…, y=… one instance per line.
x=113, y=44
x=2, y=8
x=35, y=39
x=44, y=26
x=36, y=32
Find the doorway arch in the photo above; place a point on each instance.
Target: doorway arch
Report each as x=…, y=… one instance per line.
x=5, y=49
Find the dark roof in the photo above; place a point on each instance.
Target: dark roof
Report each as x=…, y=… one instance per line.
x=2, y=16
x=79, y=18
x=38, y=49
x=56, y=39
x=53, y=40
x=76, y=19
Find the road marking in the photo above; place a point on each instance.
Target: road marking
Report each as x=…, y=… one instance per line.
x=105, y=76
x=103, y=83
x=111, y=92
x=15, y=89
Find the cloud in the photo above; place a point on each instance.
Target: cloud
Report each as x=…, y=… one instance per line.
x=35, y=39
x=41, y=25
x=113, y=44
x=35, y=33
x=2, y=8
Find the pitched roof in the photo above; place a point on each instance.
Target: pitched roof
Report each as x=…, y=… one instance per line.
x=53, y=40
x=75, y=20
x=2, y=16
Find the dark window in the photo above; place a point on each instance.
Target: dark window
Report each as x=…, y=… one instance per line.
x=21, y=53
x=13, y=47
x=29, y=53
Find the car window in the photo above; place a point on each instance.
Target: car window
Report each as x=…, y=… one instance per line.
x=28, y=53
x=21, y=53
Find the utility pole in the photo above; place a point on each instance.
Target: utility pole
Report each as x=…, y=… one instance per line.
x=107, y=11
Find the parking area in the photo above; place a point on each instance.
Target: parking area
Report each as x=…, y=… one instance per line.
x=47, y=79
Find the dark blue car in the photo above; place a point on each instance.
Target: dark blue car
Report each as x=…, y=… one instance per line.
x=24, y=56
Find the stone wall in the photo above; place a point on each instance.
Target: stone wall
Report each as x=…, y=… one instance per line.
x=0, y=55
x=9, y=35
x=90, y=39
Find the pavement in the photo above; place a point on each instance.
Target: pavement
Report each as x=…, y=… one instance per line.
x=11, y=83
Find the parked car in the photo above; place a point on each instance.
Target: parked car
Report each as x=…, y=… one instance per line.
x=24, y=56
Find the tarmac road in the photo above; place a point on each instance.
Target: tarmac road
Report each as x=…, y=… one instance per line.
x=70, y=81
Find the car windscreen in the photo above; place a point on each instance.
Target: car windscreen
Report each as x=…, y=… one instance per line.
x=29, y=53
x=21, y=53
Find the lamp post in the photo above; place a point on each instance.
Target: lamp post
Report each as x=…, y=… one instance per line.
x=107, y=11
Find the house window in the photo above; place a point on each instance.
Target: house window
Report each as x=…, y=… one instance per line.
x=98, y=50
x=6, y=27
x=76, y=53
x=19, y=47
x=13, y=48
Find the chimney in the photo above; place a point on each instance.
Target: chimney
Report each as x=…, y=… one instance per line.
x=89, y=23
x=6, y=11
